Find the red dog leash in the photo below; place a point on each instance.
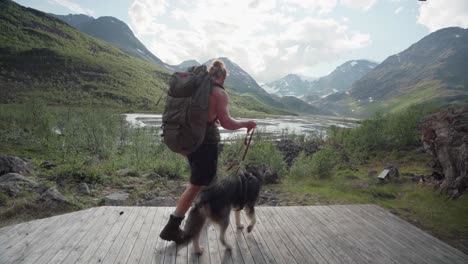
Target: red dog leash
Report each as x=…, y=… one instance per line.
x=247, y=140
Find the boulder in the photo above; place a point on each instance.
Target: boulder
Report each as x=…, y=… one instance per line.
x=12, y=164
x=291, y=149
x=116, y=199
x=445, y=137
x=83, y=189
x=12, y=184
x=128, y=172
x=53, y=199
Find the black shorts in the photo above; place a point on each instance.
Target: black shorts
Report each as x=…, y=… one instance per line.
x=203, y=164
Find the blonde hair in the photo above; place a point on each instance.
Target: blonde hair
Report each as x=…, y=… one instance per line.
x=218, y=70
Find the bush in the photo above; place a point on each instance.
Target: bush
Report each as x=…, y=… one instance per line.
x=319, y=166
x=78, y=173
x=262, y=151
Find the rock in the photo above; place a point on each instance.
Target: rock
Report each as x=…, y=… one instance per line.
x=152, y=176
x=160, y=201
x=116, y=199
x=351, y=177
x=123, y=172
x=13, y=183
x=83, y=189
x=48, y=165
x=53, y=199
x=291, y=149
x=128, y=172
x=12, y=164
x=445, y=138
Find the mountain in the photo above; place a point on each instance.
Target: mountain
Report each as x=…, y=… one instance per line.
x=42, y=57
x=342, y=78
x=290, y=85
x=433, y=70
x=45, y=58
x=239, y=81
x=113, y=31
x=182, y=67
x=339, y=80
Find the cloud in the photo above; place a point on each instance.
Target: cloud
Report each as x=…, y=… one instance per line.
x=358, y=4
x=398, y=10
x=260, y=36
x=437, y=14
x=73, y=7
x=142, y=14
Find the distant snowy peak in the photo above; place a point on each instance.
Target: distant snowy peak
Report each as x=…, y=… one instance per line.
x=290, y=85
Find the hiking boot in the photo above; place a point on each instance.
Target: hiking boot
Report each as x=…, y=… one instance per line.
x=172, y=231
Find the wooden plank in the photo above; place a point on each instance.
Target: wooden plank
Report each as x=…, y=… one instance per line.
x=261, y=245
x=104, y=244
x=17, y=233
x=321, y=237
x=205, y=257
x=291, y=241
x=129, y=241
x=271, y=242
x=252, y=244
x=111, y=256
x=64, y=233
x=153, y=236
x=285, y=247
x=427, y=239
x=404, y=237
x=394, y=241
x=213, y=248
x=24, y=247
x=139, y=245
x=12, y=234
x=355, y=244
x=115, y=215
x=242, y=254
x=302, y=241
x=86, y=236
x=358, y=234
x=158, y=253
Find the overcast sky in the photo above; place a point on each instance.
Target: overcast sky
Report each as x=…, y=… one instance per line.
x=272, y=38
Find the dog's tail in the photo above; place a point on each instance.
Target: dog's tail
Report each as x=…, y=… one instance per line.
x=195, y=222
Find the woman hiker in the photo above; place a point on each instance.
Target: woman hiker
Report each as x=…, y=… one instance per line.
x=204, y=161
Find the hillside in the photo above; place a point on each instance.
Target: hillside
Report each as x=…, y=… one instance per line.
x=433, y=70
x=113, y=31
x=42, y=57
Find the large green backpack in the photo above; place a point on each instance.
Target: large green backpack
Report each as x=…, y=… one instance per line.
x=186, y=113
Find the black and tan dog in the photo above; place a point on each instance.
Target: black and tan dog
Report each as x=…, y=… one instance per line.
x=216, y=203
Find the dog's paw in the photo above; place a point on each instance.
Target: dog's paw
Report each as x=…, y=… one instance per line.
x=249, y=228
x=241, y=226
x=199, y=251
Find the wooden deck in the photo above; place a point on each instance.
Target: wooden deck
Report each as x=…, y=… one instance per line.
x=317, y=234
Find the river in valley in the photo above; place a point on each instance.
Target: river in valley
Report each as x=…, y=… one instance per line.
x=275, y=126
